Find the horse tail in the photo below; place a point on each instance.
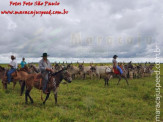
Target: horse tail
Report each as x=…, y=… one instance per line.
x=22, y=88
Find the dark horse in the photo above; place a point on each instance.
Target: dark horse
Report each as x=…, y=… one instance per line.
x=35, y=80
x=3, y=76
x=117, y=73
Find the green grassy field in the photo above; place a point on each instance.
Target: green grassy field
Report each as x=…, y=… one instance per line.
x=85, y=100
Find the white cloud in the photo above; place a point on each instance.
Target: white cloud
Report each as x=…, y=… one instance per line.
x=30, y=36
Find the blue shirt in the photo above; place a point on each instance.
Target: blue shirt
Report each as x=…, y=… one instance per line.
x=23, y=63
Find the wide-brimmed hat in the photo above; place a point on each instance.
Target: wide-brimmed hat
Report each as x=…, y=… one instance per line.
x=115, y=56
x=44, y=55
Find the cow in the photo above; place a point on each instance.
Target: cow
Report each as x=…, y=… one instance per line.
x=73, y=70
x=99, y=70
x=104, y=72
x=84, y=70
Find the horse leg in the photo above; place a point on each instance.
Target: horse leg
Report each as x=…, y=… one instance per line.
x=14, y=83
x=119, y=79
x=73, y=76
x=107, y=82
x=22, y=88
x=20, y=83
x=126, y=80
x=4, y=84
x=84, y=76
x=55, y=96
x=100, y=77
x=47, y=96
x=28, y=95
x=91, y=75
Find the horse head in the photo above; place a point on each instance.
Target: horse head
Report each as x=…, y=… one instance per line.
x=2, y=69
x=70, y=66
x=93, y=68
x=66, y=76
x=81, y=67
x=25, y=69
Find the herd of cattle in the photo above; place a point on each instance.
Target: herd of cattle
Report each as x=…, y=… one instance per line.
x=80, y=70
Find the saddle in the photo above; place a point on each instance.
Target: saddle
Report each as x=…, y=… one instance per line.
x=116, y=71
x=38, y=77
x=38, y=80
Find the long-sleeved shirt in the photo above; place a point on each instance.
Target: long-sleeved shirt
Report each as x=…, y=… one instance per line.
x=13, y=63
x=43, y=65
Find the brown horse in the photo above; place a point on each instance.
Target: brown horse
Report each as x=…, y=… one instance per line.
x=26, y=70
x=3, y=76
x=35, y=80
x=2, y=72
x=21, y=75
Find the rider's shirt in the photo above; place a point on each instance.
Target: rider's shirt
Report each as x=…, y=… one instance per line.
x=43, y=65
x=114, y=62
x=23, y=63
x=14, y=64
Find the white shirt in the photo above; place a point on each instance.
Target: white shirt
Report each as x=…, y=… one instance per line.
x=14, y=64
x=114, y=61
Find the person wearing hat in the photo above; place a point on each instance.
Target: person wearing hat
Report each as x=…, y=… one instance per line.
x=23, y=63
x=13, y=67
x=115, y=64
x=45, y=67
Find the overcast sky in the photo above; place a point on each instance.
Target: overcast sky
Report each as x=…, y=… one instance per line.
x=91, y=29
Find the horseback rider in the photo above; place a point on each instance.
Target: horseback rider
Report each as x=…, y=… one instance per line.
x=45, y=67
x=13, y=67
x=23, y=63
x=115, y=65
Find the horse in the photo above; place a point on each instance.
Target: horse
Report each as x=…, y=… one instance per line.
x=3, y=76
x=57, y=67
x=120, y=76
x=35, y=80
x=33, y=68
x=21, y=75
